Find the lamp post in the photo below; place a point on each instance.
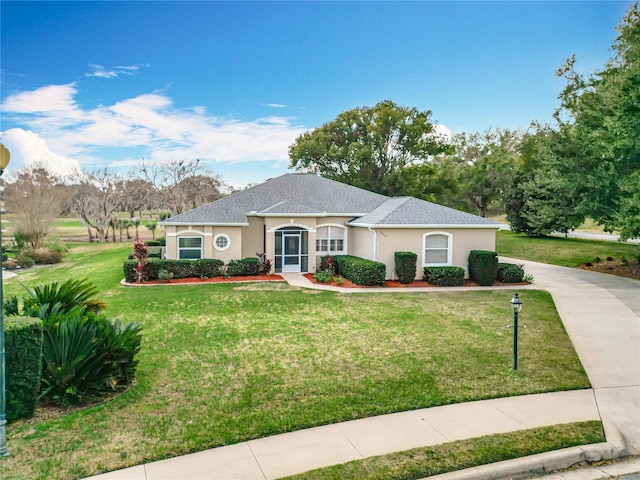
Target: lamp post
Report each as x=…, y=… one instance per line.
x=516, y=304
x=4, y=450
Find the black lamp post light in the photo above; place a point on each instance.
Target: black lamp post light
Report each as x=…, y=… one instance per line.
x=4, y=450
x=516, y=304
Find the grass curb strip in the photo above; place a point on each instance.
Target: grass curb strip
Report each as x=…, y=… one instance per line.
x=538, y=463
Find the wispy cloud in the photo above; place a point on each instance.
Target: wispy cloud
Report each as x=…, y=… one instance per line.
x=148, y=126
x=102, y=72
x=274, y=105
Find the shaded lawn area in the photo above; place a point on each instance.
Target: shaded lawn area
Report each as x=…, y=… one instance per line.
x=566, y=252
x=225, y=363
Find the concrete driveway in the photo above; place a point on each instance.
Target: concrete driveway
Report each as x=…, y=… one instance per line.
x=601, y=314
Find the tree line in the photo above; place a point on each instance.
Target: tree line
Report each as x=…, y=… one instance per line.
x=36, y=196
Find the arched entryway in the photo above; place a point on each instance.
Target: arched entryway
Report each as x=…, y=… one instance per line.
x=291, y=250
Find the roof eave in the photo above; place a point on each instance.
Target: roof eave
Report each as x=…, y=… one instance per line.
x=430, y=225
x=204, y=224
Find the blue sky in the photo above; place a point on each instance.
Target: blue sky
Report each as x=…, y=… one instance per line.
x=87, y=84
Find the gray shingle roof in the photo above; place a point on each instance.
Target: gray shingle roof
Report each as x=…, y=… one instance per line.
x=302, y=194
x=405, y=211
x=291, y=193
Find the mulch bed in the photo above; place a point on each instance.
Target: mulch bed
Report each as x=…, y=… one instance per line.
x=195, y=280
x=396, y=284
x=614, y=267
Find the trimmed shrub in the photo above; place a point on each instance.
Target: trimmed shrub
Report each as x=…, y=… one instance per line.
x=510, y=273
x=483, y=266
x=162, y=241
x=405, y=263
x=246, y=266
x=152, y=243
x=444, y=276
x=23, y=343
x=205, y=267
x=360, y=271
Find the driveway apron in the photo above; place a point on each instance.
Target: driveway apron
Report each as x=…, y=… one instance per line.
x=601, y=314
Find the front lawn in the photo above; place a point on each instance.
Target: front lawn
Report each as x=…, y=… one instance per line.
x=225, y=363
x=566, y=252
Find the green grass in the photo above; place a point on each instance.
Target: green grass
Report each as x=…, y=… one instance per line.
x=566, y=252
x=422, y=462
x=226, y=363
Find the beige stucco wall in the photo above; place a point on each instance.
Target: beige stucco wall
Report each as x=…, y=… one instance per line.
x=391, y=240
x=252, y=237
x=208, y=234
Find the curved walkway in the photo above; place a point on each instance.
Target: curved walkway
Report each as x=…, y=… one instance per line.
x=602, y=317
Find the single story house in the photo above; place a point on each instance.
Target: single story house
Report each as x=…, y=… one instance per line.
x=298, y=218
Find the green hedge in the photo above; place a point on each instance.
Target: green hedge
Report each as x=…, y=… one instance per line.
x=23, y=344
x=405, y=263
x=483, y=266
x=244, y=267
x=444, y=276
x=510, y=273
x=360, y=271
x=205, y=267
x=152, y=243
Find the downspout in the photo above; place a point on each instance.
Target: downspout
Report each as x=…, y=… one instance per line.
x=375, y=243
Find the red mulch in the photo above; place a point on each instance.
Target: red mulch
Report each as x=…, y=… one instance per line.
x=191, y=280
x=396, y=284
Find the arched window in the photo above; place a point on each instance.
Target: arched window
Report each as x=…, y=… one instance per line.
x=437, y=249
x=330, y=239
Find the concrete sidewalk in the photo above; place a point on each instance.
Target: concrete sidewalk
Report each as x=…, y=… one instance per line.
x=600, y=314
x=290, y=453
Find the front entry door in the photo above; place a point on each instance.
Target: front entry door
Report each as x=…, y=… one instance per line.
x=291, y=260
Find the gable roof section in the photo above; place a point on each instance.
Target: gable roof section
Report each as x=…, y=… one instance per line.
x=292, y=193
x=406, y=212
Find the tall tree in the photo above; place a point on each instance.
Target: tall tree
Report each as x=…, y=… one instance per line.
x=36, y=196
x=96, y=198
x=138, y=194
x=485, y=162
x=181, y=184
x=368, y=147
x=604, y=112
x=544, y=196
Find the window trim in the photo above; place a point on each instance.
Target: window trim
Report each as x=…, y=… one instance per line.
x=190, y=248
x=329, y=239
x=449, y=249
x=215, y=242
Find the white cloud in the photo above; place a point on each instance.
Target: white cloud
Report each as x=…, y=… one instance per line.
x=50, y=100
x=101, y=72
x=274, y=105
x=27, y=148
x=147, y=126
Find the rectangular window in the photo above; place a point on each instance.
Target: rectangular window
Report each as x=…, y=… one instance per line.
x=189, y=248
x=330, y=239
